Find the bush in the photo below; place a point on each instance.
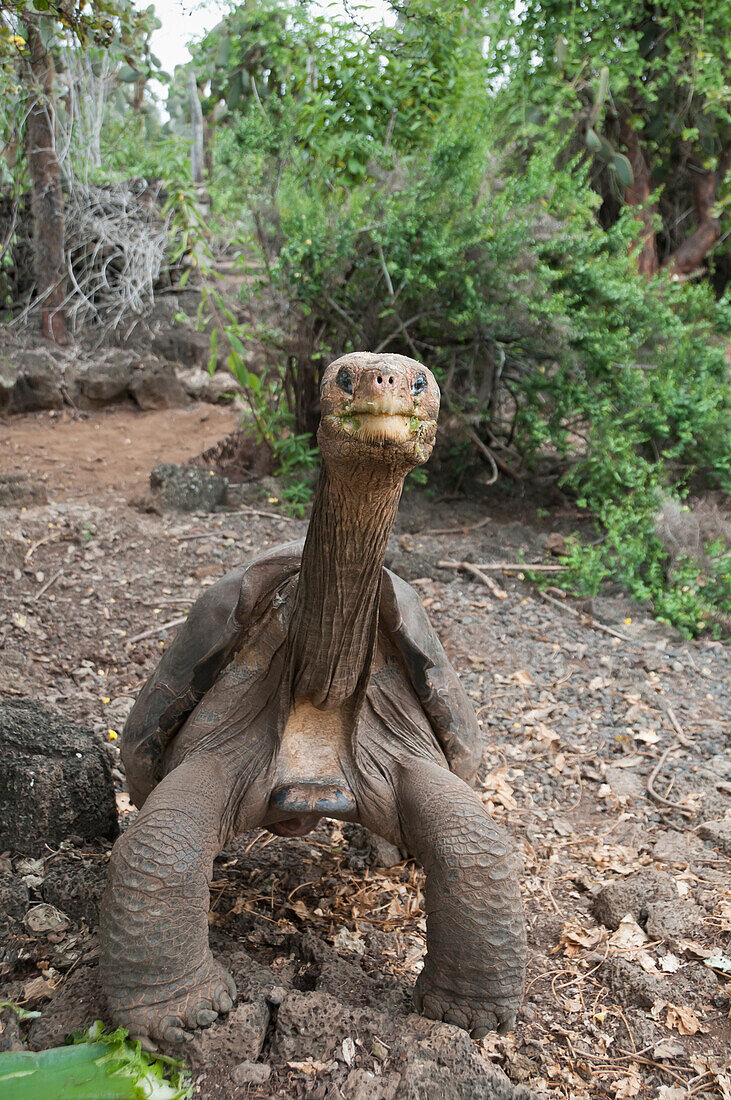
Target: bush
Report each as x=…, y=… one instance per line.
x=487, y=261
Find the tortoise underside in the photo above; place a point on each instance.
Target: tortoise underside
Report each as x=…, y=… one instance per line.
x=219, y=690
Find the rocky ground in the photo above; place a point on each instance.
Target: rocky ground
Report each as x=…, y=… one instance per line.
x=606, y=753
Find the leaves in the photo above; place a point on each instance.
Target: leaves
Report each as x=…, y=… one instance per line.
x=683, y=1020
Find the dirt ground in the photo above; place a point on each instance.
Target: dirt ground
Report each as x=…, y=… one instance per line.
x=606, y=754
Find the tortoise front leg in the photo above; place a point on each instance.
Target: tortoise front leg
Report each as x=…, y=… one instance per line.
x=474, y=973
x=157, y=969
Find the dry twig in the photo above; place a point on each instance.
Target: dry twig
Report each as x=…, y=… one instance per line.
x=157, y=629
x=468, y=567
x=653, y=776
x=589, y=620
x=48, y=584
x=461, y=530
x=48, y=538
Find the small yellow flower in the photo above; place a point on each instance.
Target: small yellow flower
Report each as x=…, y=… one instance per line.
x=272, y=500
x=627, y=622
x=106, y=699
x=112, y=735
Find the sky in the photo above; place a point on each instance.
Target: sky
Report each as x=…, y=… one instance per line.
x=183, y=20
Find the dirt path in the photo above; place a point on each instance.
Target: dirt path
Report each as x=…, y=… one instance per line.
x=606, y=753
x=108, y=455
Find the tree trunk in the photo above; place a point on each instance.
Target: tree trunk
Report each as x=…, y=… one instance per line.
x=47, y=200
x=197, y=158
x=638, y=195
x=304, y=371
x=692, y=252
x=209, y=139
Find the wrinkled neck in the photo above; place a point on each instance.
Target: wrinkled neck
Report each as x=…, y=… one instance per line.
x=333, y=628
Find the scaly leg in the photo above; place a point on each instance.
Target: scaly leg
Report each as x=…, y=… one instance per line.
x=474, y=973
x=157, y=969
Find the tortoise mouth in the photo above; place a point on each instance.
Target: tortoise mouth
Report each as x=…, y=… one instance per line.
x=383, y=427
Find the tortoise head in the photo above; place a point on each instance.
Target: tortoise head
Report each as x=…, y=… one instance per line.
x=378, y=409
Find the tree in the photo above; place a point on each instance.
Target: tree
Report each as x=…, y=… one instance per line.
x=664, y=100
x=32, y=32
x=47, y=195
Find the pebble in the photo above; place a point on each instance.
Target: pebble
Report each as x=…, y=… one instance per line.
x=251, y=1073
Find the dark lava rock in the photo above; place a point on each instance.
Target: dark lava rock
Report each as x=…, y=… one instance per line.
x=634, y=986
x=55, y=780
x=183, y=345
x=105, y=381
x=674, y=919
x=31, y=382
x=239, y=1037
x=314, y=1025
x=366, y=849
x=77, y=1004
x=218, y=389
x=19, y=489
x=251, y=1073
x=327, y=969
x=13, y=906
x=432, y=1061
x=632, y=895
x=719, y=834
x=10, y=1037
x=155, y=385
x=253, y=979
x=12, y=551
x=187, y=488
x=674, y=847
x=75, y=886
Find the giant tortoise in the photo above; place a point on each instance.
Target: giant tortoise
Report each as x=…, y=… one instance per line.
x=311, y=684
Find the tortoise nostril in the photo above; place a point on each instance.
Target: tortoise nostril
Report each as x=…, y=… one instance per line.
x=390, y=381
x=379, y=380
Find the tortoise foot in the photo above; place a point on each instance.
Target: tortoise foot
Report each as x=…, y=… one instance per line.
x=164, y=1010
x=490, y=1011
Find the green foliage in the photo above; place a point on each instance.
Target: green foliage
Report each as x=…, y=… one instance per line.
x=652, y=74
x=494, y=270
x=292, y=80
x=402, y=199
x=99, y=1065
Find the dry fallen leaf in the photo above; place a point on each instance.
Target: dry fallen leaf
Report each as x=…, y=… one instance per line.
x=544, y=733
x=124, y=806
x=300, y=909
x=627, y=1087
x=684, y=1020
x=497, y=791
x=37, y=989
x=522, y=676
x=648, y=964
x=724, y=1085
x=575, y=938
x=629, y=936
x=667, y=1048
x=312, y=1068
x=46, y=918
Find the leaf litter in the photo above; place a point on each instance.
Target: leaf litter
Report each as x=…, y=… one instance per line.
x=574, y=722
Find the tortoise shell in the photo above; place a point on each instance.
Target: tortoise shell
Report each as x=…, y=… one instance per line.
x=216, y=626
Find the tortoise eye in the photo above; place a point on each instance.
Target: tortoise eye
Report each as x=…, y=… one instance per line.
x=419, y=384
x=344, y=380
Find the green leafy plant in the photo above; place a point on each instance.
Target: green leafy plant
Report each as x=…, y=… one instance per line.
x=468, y=235
x=98, y=1065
